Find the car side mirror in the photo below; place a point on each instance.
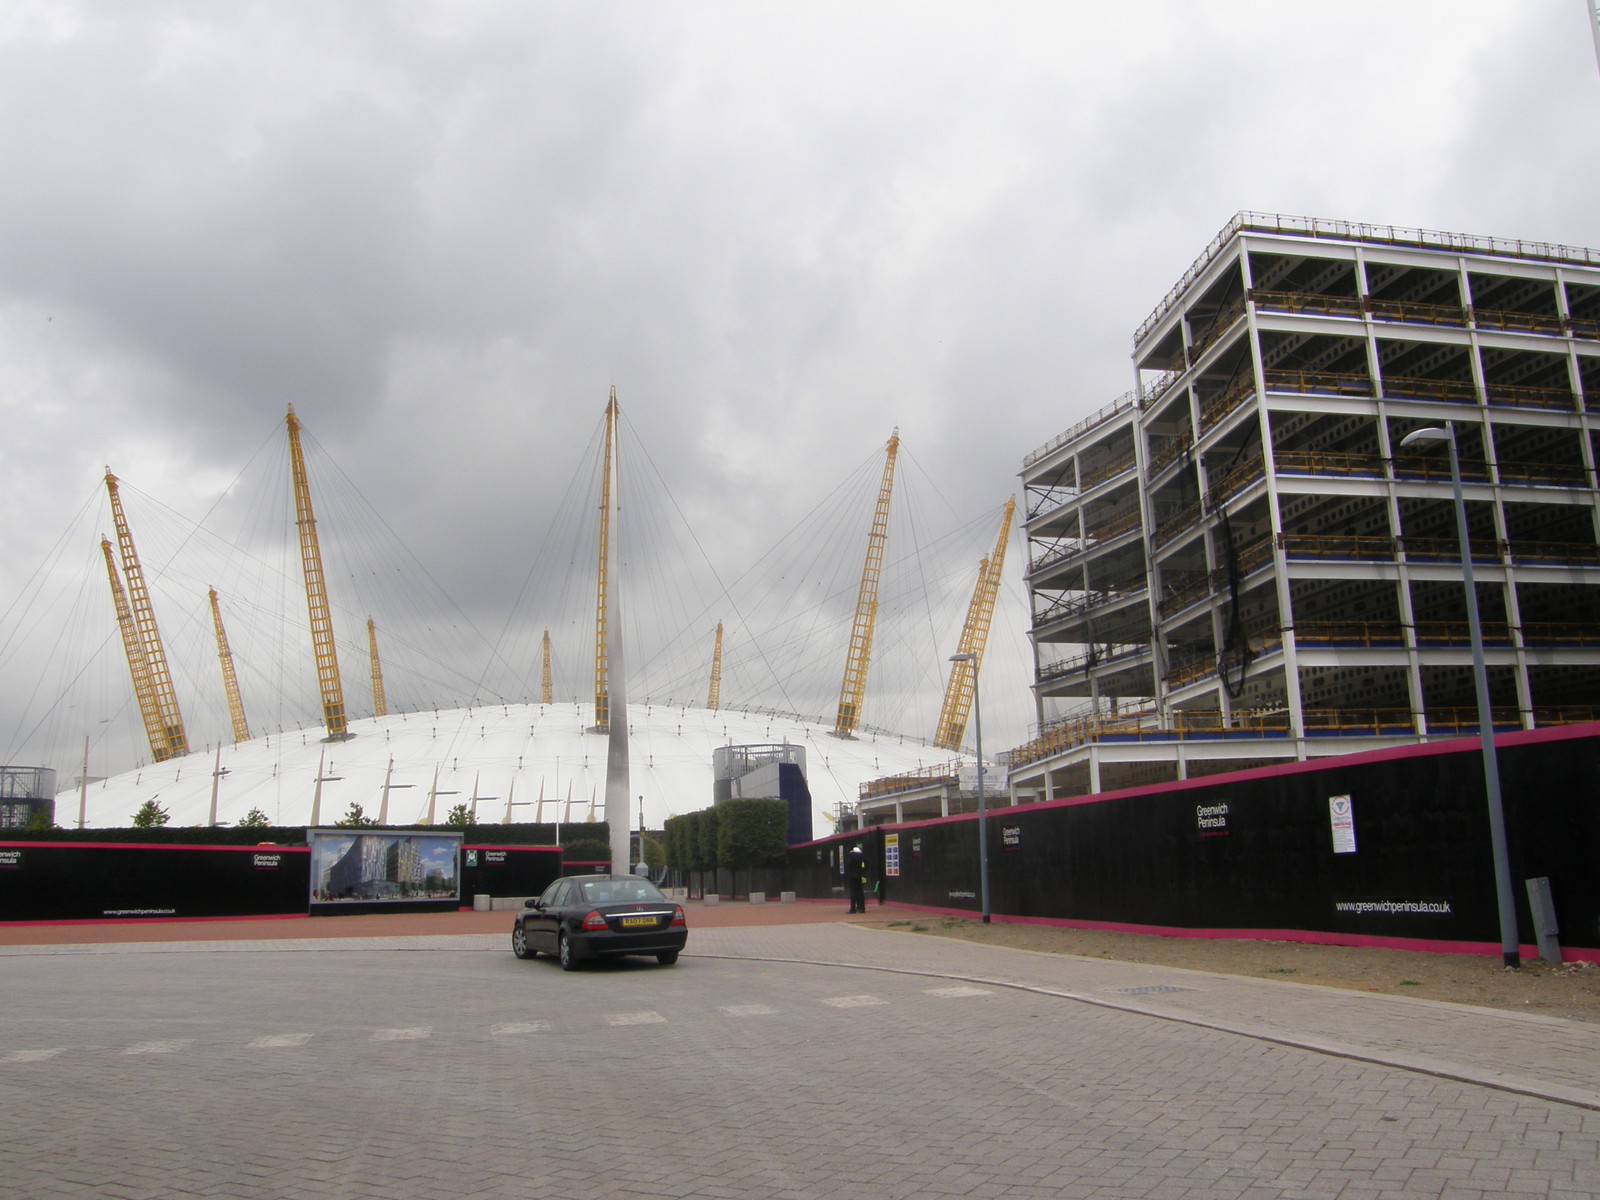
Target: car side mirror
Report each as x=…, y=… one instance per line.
x=530, y=903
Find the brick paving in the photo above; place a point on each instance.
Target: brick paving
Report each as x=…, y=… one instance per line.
x=803, y=1059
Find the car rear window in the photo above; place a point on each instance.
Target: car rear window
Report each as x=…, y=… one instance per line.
x=620, y=891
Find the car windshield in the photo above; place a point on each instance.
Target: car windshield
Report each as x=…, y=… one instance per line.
x=619, y=891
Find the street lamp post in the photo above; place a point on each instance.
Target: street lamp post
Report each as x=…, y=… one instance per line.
x=1480, y=678
x=983, y=822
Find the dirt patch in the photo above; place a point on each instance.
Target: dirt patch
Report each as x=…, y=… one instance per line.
x=1570, y=990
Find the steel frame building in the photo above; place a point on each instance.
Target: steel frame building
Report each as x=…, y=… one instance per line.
x=1236, y=563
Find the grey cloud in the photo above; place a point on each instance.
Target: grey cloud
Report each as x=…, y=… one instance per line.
x=444, y=231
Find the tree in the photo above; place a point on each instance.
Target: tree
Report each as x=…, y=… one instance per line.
x=461, y=815
x=150, y=816
x=588, y=850
x=654, y=856
x=43, y=817
x=751, y=833
x=254, y=819
x=705, y=840
x=674, y=830
x=355, y=818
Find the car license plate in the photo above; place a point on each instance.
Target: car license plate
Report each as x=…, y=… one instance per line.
x=633, y=921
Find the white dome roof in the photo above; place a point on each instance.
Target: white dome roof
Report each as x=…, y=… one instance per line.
x=498, y=753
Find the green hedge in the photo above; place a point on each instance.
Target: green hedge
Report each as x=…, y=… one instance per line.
x=752, y=833
x=692, y=841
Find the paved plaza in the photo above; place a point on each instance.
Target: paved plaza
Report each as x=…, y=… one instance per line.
x=807, y=1061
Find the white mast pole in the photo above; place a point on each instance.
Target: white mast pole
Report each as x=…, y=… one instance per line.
x=216, y=780
x=1594, y=25
x=316, y=793
x=83, y=786
x=617, y=782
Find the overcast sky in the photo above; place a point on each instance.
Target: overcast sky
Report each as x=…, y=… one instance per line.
x=444, y=231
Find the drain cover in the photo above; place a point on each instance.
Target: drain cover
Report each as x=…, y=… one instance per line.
x=1158, y=990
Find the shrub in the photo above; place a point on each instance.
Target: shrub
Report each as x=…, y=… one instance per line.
x=150, y=815
x=355, y=818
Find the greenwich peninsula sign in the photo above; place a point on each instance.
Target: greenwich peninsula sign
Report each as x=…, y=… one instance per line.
x=1211, y=820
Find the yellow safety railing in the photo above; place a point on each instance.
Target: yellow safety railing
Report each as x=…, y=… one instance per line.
x=1308, y=302
x=1101, y=472
x=1412, y=388
x=1338, y=383
x=1413, y=313
x=1170, y=452
x=1306, y=462
x=1225, y=319
x=1365, y=548
x=1122, y=404
x=907, y=781
x=1517, y=322
x=1353, y=231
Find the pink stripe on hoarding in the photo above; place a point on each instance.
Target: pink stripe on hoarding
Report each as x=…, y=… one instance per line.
x=259, y=848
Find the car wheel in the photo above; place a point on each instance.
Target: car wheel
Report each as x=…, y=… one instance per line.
x=569, y=960
x=519, y=943
x=667, y=957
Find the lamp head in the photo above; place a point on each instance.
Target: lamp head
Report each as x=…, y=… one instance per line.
x=963, y=658
x=1430, y=433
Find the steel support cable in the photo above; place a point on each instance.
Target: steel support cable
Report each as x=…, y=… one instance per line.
x=650, y=535
x=186, y=637
x=912, y=507
x=260, y=645
x=69, y=641
x=366, y=547
x=555, y=559
x=768, y=572
x=921, y=584
x=71, y=630
x=35, y=581
x=230, y=550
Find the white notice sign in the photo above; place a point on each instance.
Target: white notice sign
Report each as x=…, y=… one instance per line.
x=1343, y=819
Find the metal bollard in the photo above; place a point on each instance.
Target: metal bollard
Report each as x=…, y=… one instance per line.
x=1545, y=929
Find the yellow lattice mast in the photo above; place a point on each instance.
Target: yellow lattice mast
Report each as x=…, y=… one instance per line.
x=230, y=681
x=380, y=703
x=854, y=689
x=974, y=633
x=602, y=689
x=322, y=647
x=163, y=723
x=547, y=693
x=149, y=710
x=714, y=696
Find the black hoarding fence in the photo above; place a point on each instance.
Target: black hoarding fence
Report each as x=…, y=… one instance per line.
x=222, y=872
x=57, y=881
x=507, y=871
x=1390, y=846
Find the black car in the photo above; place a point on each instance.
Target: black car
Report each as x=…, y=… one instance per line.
x=592, y=916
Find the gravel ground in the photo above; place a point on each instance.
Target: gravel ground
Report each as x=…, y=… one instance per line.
x=1570, y=990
